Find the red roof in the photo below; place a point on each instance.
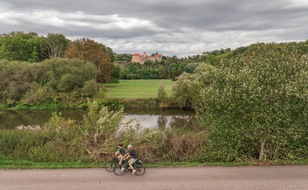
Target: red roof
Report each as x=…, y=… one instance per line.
x=138, y=54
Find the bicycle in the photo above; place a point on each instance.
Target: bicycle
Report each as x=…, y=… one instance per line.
x=138, y=166
x=111, y=164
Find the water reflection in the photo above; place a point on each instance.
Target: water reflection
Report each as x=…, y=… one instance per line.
x=163, y=118
x=148, y=118
x=10, y=119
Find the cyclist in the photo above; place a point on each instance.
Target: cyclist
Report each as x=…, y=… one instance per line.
x=132, y=160
x=121, y=152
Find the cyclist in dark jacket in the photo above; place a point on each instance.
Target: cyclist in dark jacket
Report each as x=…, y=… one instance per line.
x=133, y=158
x=121, y=153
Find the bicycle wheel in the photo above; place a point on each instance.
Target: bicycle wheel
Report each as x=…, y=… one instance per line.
x=110, y=165
x=140, y=169
x=118, y=170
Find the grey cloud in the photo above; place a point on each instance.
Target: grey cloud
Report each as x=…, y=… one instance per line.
x=177, y=27
x=210, y=15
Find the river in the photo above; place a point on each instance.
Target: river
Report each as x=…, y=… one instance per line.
x=148, y=118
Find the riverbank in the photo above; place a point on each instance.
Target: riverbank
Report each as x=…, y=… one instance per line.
x=39, y=107
x=112, y=103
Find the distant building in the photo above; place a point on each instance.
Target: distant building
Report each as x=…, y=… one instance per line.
x=141, y=58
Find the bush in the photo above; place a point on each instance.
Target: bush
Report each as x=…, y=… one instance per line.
x=39, y=95
x=161, y=93
x=90, y=89
x=98, y=128
x=58, y=150
x=51, y=81
x=16, y=144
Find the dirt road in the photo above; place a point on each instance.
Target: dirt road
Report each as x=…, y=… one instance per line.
x=205, y=178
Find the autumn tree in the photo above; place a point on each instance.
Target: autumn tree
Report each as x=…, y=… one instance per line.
x=91, y=51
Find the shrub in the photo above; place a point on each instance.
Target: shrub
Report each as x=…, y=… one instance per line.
x=90, y=89
x=51, y=81
x=15, y=144
x=98, y=128
x=161, y=93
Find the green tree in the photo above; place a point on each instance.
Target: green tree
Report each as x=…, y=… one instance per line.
x=56, y=44
x=175, y=70
x=123, y=57
x=115, y=74
x=22, y=46
x=256, y=104
x=186, y=91
x=109, y=51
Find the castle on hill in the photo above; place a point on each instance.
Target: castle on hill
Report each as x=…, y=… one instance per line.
x=141, y=58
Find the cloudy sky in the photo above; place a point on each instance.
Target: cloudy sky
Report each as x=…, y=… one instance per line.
x=172, y=27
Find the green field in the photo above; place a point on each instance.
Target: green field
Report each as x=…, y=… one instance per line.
x=131, y=89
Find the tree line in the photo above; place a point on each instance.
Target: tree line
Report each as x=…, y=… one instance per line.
x=166, y=69
x=30, y=47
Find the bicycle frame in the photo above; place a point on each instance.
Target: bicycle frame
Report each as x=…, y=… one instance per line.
x=138, y=166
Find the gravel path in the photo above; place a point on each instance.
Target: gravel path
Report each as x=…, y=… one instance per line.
x=190, y=178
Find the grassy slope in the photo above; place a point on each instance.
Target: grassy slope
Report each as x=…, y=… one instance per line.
x=131, y=89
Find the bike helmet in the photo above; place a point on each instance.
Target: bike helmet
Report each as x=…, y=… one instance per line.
x=129, y=146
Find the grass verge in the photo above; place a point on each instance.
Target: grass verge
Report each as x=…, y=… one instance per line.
x=23, y=164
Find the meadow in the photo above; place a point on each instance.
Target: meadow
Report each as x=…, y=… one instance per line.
x=141, y=89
